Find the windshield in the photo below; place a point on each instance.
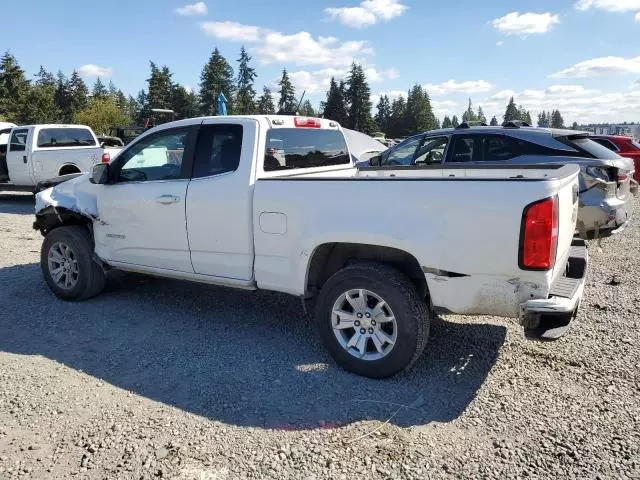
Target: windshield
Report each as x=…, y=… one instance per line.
x=636, y=143
x=65, y=137
x=289, y=148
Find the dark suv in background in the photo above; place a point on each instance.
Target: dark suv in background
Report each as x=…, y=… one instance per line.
x=606, y=181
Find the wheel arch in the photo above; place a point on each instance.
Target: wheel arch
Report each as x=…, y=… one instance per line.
x=51, y=218
x=328, y=258
x=68, y=168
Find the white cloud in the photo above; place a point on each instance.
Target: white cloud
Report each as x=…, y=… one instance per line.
x=499, y=43
x=515, y=23
x=503, y=95
x=367, y=13
x=609, y=5
x=91, y=70
x=299, y=48
x=199, y=8
x=600, y=66
x=233, y=31
x=451, y=86
x=318, y=81
x=638, y=17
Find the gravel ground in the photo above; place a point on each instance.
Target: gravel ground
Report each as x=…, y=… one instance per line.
x=161, y=379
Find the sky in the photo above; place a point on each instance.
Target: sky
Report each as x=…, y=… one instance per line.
x=580, y=56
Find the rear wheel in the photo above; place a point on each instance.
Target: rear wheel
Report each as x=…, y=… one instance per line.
x=67, y=264
x=372, y=320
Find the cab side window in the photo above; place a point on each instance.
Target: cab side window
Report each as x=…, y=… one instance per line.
x=432, y=151
x=156, y=157
x=18, y=141
x=218, y=150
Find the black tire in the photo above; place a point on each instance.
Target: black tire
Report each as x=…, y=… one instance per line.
x=412, y=315
x=90, y=278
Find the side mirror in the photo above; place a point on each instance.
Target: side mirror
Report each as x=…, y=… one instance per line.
x=375, y=161
x=100, y=174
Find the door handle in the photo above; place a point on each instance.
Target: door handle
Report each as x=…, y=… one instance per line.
x=24, y=159
x=167, y=199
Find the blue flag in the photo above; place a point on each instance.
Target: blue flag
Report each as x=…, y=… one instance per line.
x=222, y=104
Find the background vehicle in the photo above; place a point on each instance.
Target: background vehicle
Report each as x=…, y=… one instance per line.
x=40, y=152
x=5, y=131
x=362, y=146
x=606, y=184
x=626, y=147
x=217, y=211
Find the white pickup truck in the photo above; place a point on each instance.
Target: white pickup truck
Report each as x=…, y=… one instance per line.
x=37, y=153
x=375, y=252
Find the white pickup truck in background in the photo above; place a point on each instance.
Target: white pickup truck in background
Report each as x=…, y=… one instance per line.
x=375, y=252
x=37, y=153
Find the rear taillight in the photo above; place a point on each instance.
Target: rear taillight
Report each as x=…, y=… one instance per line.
x=106, y=158
x=305, y=122
x=539, y=235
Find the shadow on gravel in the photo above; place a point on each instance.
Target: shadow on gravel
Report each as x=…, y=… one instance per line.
x=249, y=359
x=17, y=204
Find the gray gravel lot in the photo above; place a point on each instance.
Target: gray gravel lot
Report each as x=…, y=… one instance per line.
x=162, y=379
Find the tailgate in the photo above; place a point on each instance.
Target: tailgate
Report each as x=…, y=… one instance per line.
x=567, y=217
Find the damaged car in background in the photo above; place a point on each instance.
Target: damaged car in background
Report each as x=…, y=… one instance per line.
x=607, y=185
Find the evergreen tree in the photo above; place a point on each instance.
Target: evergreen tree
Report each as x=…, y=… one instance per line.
x=543, y=119
x=469, y=115
x=446, y=123
x=358, y=99
x=511, y=113
x=334, y=107
x=454, y=121
x=246, y=97
x=113, y=91
x=287, y=104
x=40, y=104
x=99, y=91
x=383, y=116
x=143, y=110
x=398, y=117
x=62, y=98
x=216, y=78
x=307, y=109
x=419, y=114
x=14, y=88
x=79, y=93
x=524, y=115
x=494, y=121
x=481, y=117
x=160, y=89
x=132, y=109
x=265, y=103
x=575, y=126
x=556, y=119
x=183, y=102
x=121, y=102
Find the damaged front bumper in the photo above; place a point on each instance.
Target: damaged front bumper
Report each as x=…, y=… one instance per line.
x=550, y=318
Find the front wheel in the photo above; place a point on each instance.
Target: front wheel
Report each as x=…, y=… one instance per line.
x=67, y=264
x=372, y=320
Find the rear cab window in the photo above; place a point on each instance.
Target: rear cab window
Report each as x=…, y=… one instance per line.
x=301, y=148
x=65, y=137
x=589, y=146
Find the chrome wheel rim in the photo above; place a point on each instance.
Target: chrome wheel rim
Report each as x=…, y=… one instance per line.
x=63, y=265
x=364, y=324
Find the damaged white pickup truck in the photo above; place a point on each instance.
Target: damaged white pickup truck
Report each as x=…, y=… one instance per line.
x=274, y=202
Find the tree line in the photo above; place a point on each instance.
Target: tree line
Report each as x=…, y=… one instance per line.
x=50, y=98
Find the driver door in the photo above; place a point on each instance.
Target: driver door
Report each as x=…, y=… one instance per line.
x=141, y=211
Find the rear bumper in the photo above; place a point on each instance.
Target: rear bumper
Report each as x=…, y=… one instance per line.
x=605, y=218
x=549, y=318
